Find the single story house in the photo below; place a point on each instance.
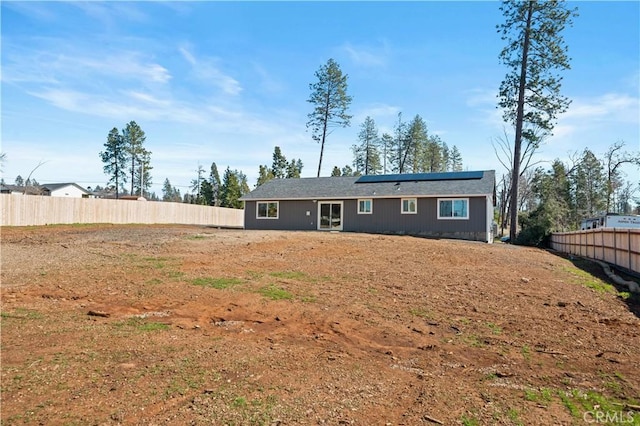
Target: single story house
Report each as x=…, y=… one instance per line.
x=449, y=205
x=64, y=190
x=19, y=190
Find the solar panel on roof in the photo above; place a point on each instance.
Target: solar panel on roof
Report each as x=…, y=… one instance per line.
x=420, y=177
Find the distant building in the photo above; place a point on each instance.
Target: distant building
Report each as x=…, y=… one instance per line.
x=611, y=221
x=20, y=190
x=71, y=190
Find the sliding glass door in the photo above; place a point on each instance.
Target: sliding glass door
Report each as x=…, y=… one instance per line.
x=330, y=215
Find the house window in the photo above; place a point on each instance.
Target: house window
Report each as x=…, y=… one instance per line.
x=455, y=208
x=267, y=210
x=409, y=206
x=365, y=206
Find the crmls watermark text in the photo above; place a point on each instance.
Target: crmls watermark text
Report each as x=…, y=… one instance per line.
x=608, y=416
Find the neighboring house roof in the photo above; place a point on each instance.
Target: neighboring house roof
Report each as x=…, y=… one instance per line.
x=56, y=186
x=30, y=190
x=450, y=184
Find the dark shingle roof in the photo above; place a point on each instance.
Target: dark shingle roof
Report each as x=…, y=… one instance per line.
x=449, y=184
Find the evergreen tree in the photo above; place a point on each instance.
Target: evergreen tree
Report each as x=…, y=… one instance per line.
x=455, y=160
x=19, y=181
x=348, y=171
x=143, y=180
x=590, y=186
x=397, y=148
x=280, y=165
x=138, y=156
x=387, y=147
x=336, y=172
x=330, y=100
x=414, y=148
x=366, y=154
x=244, y=185
x=169, y=193
x=445, y=165
x=214, y=181
x=234, y=185
x=294, y=168
x=206, y=192
x=553, y=210
x=530, y=93
x=264, y=175
x=114, y=158
x=433, y=155
x=196, y=186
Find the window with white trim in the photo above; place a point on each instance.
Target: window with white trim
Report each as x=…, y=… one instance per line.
x=267, y=210
x=365, y=206
x=453, y=208
x=409, y=205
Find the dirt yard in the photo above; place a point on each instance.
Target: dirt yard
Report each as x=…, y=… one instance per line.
x=163, y=325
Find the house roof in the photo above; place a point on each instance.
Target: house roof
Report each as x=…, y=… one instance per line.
x=30, y=190
x=451, y=184
x=56, y=186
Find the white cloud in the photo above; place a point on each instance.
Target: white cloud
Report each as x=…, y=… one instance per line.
x=139, y=105
x=207, y=71
x=379, y=111
x=109, y=13
x=481, y=97
x=31, y=9
x=367, y=56
x=187, y=55
x=40, y=66
x=610, y=106
x=147, y=98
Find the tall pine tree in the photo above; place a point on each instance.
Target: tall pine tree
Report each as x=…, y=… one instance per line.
x=114, y=158
x=330, y=101
x=530, y=92
x=138, y=157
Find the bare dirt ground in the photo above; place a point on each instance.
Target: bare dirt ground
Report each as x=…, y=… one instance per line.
x=162, y=325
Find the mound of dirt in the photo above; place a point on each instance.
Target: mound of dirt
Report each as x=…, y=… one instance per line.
x=105, y=324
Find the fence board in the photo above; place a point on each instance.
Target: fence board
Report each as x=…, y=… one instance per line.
x=617, y=246
x=29, y=210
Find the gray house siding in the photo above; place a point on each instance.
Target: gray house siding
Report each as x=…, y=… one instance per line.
x=292, y=216
x=386, y=218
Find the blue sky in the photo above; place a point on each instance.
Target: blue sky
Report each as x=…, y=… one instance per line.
x=228, y=81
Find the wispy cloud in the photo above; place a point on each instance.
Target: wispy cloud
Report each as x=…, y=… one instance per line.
x=481, y=97
x=611, y=107
x=45, y=67
x=206, y=70
x=110, y=13
x=268, y=83
x=30, y=9
x=367, y=56
x=378, y=111
x=137, y=105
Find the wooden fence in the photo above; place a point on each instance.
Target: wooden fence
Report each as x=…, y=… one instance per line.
x=26, y=210
x=617, y=246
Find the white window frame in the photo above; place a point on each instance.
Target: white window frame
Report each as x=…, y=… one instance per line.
x=440, y=217
x=370, y=200
x=277, y=216
x=415, y=203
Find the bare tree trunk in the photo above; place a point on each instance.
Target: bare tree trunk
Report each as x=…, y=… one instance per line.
x=324, y=131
